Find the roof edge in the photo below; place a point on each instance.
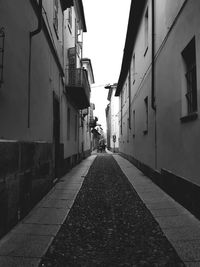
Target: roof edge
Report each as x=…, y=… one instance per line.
x=135, y=15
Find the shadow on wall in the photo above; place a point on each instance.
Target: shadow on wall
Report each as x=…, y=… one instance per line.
x=180, y=189
x=26, y=175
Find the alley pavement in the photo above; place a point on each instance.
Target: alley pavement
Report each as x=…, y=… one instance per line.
x=28, y=242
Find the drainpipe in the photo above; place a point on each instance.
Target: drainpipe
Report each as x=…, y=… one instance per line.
x=31, y=34
x=153, y=105
x=153, y=98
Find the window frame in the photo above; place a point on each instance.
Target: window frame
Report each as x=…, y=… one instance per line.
x=146, y=30
x=68, y=123
x=146, y=104
x=55, y=16
x=190, y=81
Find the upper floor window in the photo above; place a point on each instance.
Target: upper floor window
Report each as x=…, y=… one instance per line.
x=146, y=115
x=70, y=17
x=2, y=43
x=189, y=57
x=76, y=127
x=55, y=16
x=133, y=123
x=133, y=68
x=68, y=123
x=146, y=30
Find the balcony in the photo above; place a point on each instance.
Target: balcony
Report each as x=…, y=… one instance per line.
x=78, y=87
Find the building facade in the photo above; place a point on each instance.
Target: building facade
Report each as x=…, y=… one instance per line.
x=112, y=119
x=43, y=93
x=159, y=91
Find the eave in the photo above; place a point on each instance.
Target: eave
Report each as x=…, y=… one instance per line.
x=135, y=15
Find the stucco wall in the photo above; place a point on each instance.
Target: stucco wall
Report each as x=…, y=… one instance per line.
x=178, y=143
x=44, y=76
x=169, y=143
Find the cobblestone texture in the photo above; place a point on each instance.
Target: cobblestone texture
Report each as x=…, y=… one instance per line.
x=109, y=226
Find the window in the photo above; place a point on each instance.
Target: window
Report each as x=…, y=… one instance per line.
x=68, y=123
x=70, y=17
x=133, y=69
x=133, y=123
x=127, y=130
x=146, y=115
x=189, y=57
x=129, y=99
x=2, y=42
x=55, y=16
x=146, y=30
x=76, y=122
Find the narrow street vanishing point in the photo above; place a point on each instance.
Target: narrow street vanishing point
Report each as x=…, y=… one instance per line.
x=109, y=225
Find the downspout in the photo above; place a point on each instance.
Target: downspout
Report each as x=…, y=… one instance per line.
x=31, y=34
x=152, y=59
x=153, y=97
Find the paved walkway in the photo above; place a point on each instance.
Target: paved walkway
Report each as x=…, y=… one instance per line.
x=181, y=228
x=30, y=239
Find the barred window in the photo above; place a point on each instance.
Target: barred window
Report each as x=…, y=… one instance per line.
x=146, y=115
x=68, y=123
x=70, y=17
x=189, y=56
x=133, y=123
x=55, y=16
x=146, y=30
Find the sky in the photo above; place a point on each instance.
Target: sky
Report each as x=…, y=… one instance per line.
x=103, y=43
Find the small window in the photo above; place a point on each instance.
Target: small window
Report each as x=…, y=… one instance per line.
x=146, y=115
x=76, y=122
x=189, y=56
x=146, y=30
x=68, y=123
x=133, y=123
x=127, y=130
x=133, y=69
x=2, y=43
x=55, y=16
x=70, y=18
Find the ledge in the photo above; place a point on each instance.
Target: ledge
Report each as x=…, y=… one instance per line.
x=190, y=117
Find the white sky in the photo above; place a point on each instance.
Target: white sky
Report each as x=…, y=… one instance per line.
x=103, y=43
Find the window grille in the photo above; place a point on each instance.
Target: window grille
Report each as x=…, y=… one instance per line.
x=191, y=94
x=70, y=17
x=189, y=56
x=68, y=123
x=147, y=115
x=2, y=42
x=55, y=17
x=146, y=28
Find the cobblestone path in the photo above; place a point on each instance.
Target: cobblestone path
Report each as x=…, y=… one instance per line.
x=109, y=226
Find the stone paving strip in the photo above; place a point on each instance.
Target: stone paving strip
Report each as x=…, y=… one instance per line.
x=109, y=226
x=181, y=228
x=28, y=241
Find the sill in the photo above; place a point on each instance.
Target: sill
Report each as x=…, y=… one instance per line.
x=190, y=117
x=145, y=132
x=133, y=81
x=146, y=51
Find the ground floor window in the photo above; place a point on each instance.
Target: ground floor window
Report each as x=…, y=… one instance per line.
x=189, y=58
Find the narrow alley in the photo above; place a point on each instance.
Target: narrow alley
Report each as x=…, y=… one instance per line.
x=104, y=212
x=99, y=133
x=109, y=225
